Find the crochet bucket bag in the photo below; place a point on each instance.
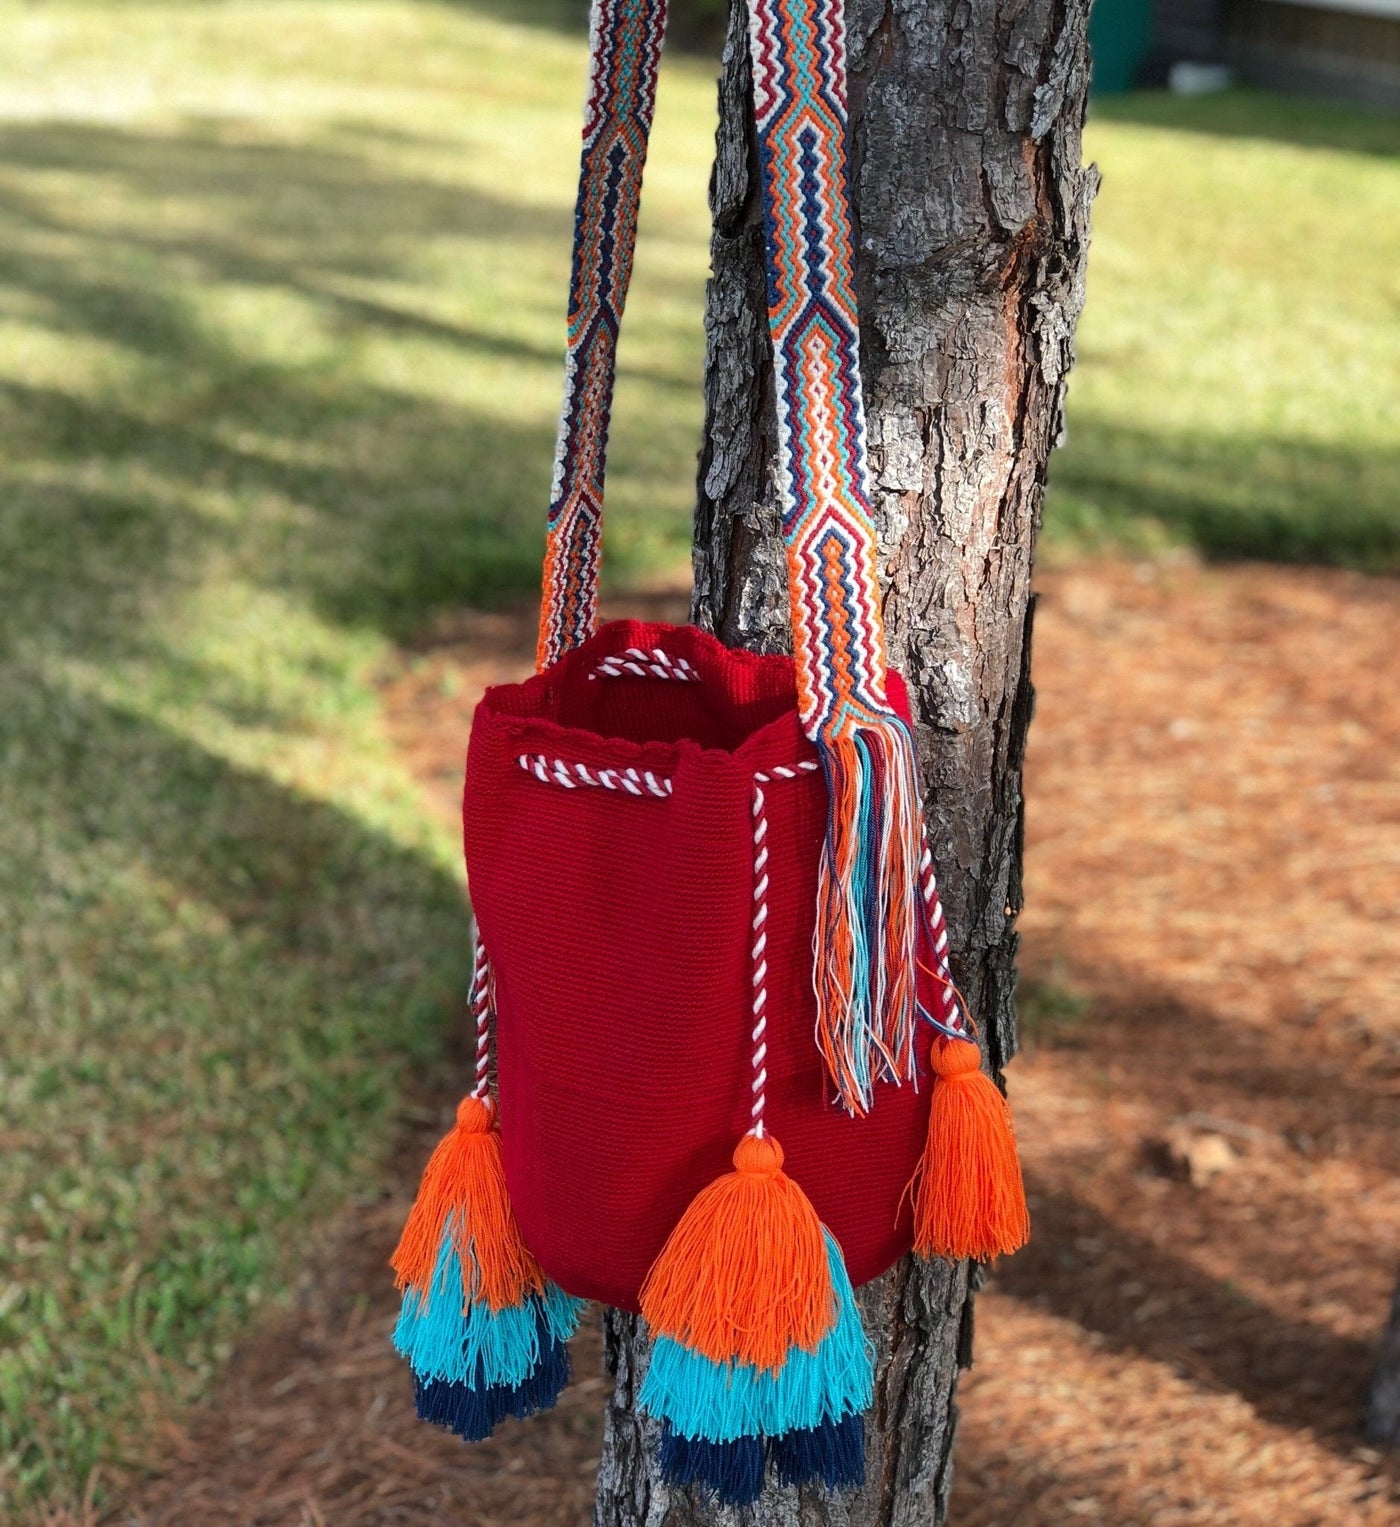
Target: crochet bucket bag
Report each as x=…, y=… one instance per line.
x=707, y=918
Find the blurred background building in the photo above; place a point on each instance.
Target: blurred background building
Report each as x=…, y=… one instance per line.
x=1345, y=49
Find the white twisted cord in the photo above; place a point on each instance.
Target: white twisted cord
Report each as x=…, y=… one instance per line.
x=482, y=999
x=783, y=771
x=655, y=664
x=760, y=957
x=938, y=927
x=555, y=771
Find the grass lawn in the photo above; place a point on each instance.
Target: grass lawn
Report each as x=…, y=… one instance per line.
x=281, y=293
x=1238, y=384
x=281, y=300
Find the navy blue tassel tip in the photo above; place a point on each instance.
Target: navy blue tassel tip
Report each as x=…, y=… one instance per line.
x=473, y=1411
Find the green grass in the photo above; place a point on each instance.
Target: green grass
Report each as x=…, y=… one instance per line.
x=281, y=303
x=1048, y=1010
x=281, y=292
x=1239, y=355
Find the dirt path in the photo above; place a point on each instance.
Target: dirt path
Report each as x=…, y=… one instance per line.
x=1209, y=1104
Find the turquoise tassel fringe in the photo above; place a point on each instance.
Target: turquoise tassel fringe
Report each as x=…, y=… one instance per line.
x=445, y=1337
x=723, y=1402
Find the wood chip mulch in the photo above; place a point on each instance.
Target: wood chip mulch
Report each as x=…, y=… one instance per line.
x=1209, y=1106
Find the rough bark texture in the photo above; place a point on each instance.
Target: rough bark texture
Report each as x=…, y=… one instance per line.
x=972, y=211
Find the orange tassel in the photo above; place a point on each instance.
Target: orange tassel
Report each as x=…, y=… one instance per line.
x=745, y=1275
x=464, y=1185
x=969, y=1200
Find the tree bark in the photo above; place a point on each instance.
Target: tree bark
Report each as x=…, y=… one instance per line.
x=972, y=213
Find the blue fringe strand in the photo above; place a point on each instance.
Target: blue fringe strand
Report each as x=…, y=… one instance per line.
x=733, y=1470
x=445, y=1337
x=473, y=1411
x=724, y=1402
x=833, y=1453
x=724, y=1424
x=474, y=1366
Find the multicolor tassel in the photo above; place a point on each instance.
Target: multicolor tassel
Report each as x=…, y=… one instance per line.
x=759, y=1358
x=481, y=1326
x=867, y=909
x=509, y=1364
x=744, y=1274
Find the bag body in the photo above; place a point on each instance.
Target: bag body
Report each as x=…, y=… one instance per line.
x=620, y=925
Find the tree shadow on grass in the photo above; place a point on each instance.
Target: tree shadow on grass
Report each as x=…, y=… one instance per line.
x=380, y=502
x=380, y=538
x=1245, y=113
x=559, y=15
x=216, y=985
x=695, y=26
x=1232, y=496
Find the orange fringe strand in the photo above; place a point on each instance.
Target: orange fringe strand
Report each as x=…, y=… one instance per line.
x=464, y=1185
x=969, y=1199
x=867, y=912
x=745, y=1275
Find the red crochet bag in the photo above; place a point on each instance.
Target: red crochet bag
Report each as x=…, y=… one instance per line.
x=620, y=926
x=705, y=904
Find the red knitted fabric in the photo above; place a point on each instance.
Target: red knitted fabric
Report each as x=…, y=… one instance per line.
x=619, y=927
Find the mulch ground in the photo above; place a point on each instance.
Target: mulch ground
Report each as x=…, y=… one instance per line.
x=1208, y=1101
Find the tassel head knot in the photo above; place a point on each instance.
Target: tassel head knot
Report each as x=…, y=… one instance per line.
x=475, y=1115
x=760, y=1155
x=953, y=1059
x=744, y=1276
x=463, y=1196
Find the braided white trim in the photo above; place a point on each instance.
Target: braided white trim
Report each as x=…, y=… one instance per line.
x=760, y=957
x=482, y=1001
x=759, y=953
x=782, y=771
x=952, y=1013
x=555, y=771
x=636, y=663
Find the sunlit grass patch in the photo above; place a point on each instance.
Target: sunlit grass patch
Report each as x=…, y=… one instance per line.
x=1240, y=350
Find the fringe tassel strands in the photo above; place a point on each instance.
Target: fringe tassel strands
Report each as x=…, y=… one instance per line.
x=868, y=911
x=759, y=1360
x=969, y=1197
x=482, y=1328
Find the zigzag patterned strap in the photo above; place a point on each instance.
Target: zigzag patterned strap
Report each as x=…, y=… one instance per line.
x=869, y=906
x=624, y=54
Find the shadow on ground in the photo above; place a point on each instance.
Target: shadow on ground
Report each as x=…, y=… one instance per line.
x=381, y=501
x=1233, y=497
x=1120, y=1237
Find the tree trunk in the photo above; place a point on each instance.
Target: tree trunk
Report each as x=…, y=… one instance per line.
x=972, y=211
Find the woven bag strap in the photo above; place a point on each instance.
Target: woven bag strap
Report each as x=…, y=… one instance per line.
x=869, y=903
x=798, y=52
x=624, y=54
